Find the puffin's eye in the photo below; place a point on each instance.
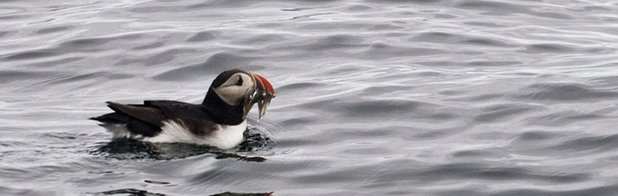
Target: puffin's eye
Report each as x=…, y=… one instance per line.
x=239, y=82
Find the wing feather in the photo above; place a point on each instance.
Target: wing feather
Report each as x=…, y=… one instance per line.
x=150, y=115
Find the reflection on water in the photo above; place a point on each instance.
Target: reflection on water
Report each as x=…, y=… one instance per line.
x=137, y=192
x=134, y=149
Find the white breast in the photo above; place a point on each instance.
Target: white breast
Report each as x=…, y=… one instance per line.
x=227, y=136
x=223, y=137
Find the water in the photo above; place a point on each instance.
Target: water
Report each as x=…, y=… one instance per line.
x=420, y=97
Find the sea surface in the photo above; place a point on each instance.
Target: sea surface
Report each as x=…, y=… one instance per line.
x=374, y=97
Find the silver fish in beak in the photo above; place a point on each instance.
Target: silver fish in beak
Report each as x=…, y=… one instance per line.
x=261, y=94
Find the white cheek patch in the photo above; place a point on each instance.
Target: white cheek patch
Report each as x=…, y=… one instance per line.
x=231, y=93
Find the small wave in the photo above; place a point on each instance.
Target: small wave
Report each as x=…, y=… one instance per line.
x=20, y=191
x=379, y=50
x=53, y=29
x=220, y=4
x=591, y=143
x=479, y=171
x=503, y=8
x=203, y=36
x=548, y=48
x=563, y=118
x=565, y=92
x=215, y=64
x=408, y=1
x=451, y=38
x=531, y=136
x=8, y=76
x=597, y=191
x=498, y=113
x=35, y=54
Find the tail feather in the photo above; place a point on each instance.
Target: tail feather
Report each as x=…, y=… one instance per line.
x=130, y=124
x=114, y=118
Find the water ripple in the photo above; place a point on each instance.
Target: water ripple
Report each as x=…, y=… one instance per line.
x=565, y=92
x=475, y=171
x=607, y=142
x=599, y=190
x=214, y=64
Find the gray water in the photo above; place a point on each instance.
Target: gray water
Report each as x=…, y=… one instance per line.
x=418, y=97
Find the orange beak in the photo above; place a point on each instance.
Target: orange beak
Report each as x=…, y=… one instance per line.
x=265, y=84
x=262, y=95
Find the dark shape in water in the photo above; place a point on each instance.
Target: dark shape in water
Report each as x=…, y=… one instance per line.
x=156, y=182
x=243, y=194
x=222, y=155
x=131, y=192
x=255, y=141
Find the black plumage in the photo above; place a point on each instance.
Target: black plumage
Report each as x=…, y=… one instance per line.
x=148, y=118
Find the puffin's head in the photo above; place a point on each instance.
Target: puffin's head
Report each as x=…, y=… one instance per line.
x=237, y=87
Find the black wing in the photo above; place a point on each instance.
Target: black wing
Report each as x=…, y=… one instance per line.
x=150, y=115
x=194, y=117
x=148, y=118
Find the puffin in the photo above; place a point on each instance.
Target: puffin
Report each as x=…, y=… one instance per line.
x=219, y=121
